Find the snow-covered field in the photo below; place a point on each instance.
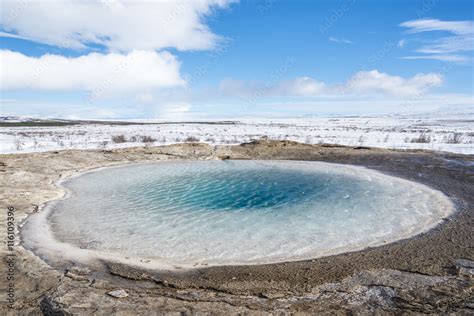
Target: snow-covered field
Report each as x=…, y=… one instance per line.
x=449, y=134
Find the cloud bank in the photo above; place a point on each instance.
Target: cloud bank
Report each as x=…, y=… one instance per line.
x=132, y=36
x=119, y=25
x=371, y=82
x=366, y=82
x=96, y=73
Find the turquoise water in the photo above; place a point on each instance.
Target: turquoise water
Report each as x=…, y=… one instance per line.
x=228, y=212
x=252, y=187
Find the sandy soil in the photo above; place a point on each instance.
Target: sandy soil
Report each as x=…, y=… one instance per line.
x=432, y=272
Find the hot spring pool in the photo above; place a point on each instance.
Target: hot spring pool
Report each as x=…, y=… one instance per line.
x=234, y=212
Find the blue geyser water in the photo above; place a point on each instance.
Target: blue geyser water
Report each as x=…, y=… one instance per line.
x=227, y=189
x=235, y=212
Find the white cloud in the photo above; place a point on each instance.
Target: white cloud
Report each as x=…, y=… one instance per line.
x=362, y=83
x=367, y=82
x=302, y=86
x=10, y=35
x=145, y=98
x=324, y=105
x=99, y=74
x=443, y=48
x=172, y=111
x=341, y=40
x=177, y=108
x=233, y=87
x=426, y=25
x=356, y=105
x=449, y=45
x=449, y=58
x=120, y=25
x=402, y=42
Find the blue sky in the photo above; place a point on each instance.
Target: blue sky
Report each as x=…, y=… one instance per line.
x=214, y=58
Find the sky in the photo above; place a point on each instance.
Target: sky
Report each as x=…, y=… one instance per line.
x=201, y=59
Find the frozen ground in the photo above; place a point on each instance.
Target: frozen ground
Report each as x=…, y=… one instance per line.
x=452, y=134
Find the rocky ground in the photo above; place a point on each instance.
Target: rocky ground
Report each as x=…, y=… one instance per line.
x=430, y=273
